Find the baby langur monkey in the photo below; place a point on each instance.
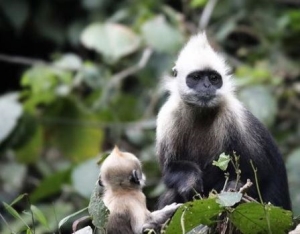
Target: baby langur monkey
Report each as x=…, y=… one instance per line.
x=122, y=178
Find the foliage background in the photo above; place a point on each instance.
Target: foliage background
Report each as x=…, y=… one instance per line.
x=81, y=76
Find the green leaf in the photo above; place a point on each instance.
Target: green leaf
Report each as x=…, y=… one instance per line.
x=103, y=156
x=28, y=231
x=30, y=151
x=97, y=209
x=198, y=3
x=38, y=214
x=194, y=213
x=42, y=83
x=80, y=131
x=251, y=218
x=82, y=181
x=11, y=110
x=11, y=210
x=266, y=110
x=94, y=76
x=69, y=61
x=66, y=219
x=112, y=40
x=51, y=185
x=226, y=199
x=20, y=197
x=14, y=213
x=222, y=162
x=162, y=36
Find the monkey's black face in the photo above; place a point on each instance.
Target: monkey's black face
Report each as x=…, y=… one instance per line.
x=205, y=84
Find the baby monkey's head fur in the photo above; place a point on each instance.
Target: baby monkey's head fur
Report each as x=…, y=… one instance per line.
x=121, y=170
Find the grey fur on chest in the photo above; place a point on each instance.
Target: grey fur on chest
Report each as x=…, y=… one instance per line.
x=196, y=137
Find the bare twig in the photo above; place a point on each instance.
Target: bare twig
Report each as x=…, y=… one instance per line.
x=32, y=62
x=143, y=124
x=119, y=77
x=31, y=213
x=256, y=181
x=7, y=225
x=226, y=181
x=206, y=14
x=246, y=186
x=251, y=199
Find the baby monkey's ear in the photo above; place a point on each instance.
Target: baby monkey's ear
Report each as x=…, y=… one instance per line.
x=174, y=70
x=100, y=182
x=134, y=178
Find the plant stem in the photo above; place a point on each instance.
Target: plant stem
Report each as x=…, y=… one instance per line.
x=256, y=182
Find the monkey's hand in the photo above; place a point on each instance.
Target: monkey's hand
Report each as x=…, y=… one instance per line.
x=185, y=177
x=158, y=218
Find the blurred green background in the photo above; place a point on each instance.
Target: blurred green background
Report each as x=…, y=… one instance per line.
x=79, y=76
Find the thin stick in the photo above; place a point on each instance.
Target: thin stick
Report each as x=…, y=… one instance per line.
x=119, y=77
x=32, y=62
x=206, y=14
x=32, y=217
x=256, y=181
x=7, y=224
x=246, y=186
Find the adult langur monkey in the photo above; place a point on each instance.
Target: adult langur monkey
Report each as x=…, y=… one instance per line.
x=201, y=119
x=122, y=178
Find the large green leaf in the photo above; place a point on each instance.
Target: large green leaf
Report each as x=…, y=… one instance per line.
x=112, y=40
x=229, y=198
x=162, y=36
x=51, y=185
x=73, y=131
x=11, y=111
x=38, y=214
x=97, y=209
x=31, y=150
x=191, y=214
x=66, y=219
x=251, y=218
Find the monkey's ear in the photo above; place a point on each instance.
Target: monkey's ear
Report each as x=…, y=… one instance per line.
x=174, y=71
x=134, y=178
x=100, y=183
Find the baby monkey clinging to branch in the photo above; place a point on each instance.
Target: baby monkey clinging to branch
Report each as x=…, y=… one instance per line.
x=122, y=178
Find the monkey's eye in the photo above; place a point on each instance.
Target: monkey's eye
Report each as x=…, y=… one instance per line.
x=214, y=78
x=195, y=77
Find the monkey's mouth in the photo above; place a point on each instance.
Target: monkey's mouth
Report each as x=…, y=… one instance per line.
x=200, y=99
x=205, y=98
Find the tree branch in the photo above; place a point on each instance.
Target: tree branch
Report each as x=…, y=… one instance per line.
x=32, y=62
x=206, y=14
